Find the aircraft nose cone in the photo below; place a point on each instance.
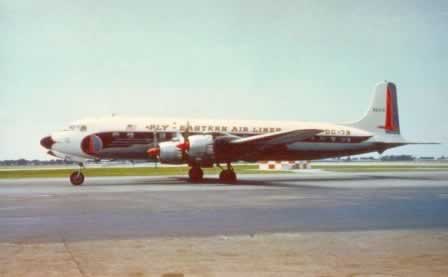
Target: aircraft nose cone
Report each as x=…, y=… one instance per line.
x=47, y=142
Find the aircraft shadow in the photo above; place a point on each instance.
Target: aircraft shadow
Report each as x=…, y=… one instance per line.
x=280, y=182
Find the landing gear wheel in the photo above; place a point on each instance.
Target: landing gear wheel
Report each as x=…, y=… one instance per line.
x=196, y=174
x=227, y=176
x=77, y=178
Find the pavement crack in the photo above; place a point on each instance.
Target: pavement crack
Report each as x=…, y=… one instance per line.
x=74, y=260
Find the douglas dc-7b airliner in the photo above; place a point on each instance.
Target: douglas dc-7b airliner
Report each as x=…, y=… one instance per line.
x=205, y=143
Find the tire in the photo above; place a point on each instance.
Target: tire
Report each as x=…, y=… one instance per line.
x=196, y=174
x=77, y=178
x=227, y=176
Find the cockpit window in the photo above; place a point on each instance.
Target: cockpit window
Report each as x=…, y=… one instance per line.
x=81, y=128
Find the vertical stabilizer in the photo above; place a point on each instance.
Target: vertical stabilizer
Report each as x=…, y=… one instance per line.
x=382, y=116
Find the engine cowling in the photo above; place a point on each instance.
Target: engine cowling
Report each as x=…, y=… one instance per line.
x=198, y=149
x=170, y=153
x=201, y=149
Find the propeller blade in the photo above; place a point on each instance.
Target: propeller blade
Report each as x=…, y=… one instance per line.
x=155, y=151
x=155, y=142
x=187, y=130
x=184, y=145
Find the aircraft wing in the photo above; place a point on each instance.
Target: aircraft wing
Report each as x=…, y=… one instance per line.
x=278, y=138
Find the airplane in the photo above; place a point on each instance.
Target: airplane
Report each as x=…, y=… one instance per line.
x=205, y=143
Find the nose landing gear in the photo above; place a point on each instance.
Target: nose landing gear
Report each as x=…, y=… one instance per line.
x=77, y=178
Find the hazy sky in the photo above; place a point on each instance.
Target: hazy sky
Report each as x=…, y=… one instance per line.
x=282, y=60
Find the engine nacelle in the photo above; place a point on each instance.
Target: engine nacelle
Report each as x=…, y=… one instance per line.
x=170, y=153
x=201, y=149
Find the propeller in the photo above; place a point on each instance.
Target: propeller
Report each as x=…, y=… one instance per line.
x=184, y=146
x=156, y=145
x=155, y=150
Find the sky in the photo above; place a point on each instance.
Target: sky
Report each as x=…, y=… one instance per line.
x=299, y=60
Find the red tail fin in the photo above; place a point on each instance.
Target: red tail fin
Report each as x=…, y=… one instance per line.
x=392, y=124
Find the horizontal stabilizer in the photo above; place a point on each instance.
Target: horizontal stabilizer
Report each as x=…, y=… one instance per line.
x=421, y=142
x=399, y=140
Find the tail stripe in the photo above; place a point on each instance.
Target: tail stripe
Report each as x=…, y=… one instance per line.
x=392, y=122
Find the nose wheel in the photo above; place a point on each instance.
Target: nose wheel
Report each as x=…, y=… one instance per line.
x=228, y=175
x=196, y=174
x=77, y=178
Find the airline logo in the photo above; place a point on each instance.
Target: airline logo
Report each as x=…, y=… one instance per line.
x=213, y=128
x=91, y=145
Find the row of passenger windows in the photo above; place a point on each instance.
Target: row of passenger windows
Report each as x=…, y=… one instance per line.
x=330, y=139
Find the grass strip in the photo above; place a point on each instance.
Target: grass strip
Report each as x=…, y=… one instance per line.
x=137, y=171
x=182, y=170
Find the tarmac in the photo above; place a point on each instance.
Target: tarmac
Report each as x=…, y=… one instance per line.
x=313, y=223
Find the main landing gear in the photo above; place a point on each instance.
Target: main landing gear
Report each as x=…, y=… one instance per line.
x=77, y=178
x=196, y=174
x=227, y=175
